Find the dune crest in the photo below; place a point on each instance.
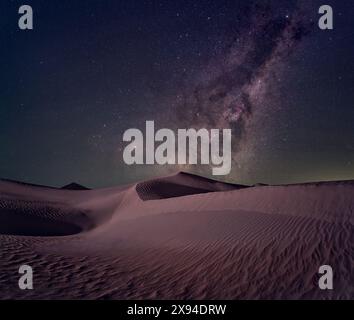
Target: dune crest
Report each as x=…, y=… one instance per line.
x=180, y=185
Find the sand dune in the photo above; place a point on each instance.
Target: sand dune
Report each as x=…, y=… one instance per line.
x=179, y=185
x=178, y=237
x=74, y=186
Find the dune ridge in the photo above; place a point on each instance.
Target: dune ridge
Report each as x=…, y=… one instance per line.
x=179, y=185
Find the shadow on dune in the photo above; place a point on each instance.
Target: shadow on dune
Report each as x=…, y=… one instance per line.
x=15, y=222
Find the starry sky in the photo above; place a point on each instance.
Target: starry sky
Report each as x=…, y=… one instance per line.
x=92, y=69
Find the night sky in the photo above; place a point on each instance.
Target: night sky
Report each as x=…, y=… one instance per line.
x=92, y=69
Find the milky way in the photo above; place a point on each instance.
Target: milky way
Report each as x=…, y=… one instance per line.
x=243, y=79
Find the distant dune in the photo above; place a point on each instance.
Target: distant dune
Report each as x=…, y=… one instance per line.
x=75, y=186
x=177, y=237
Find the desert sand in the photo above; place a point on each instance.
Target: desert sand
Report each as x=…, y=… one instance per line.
x=177, y=237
